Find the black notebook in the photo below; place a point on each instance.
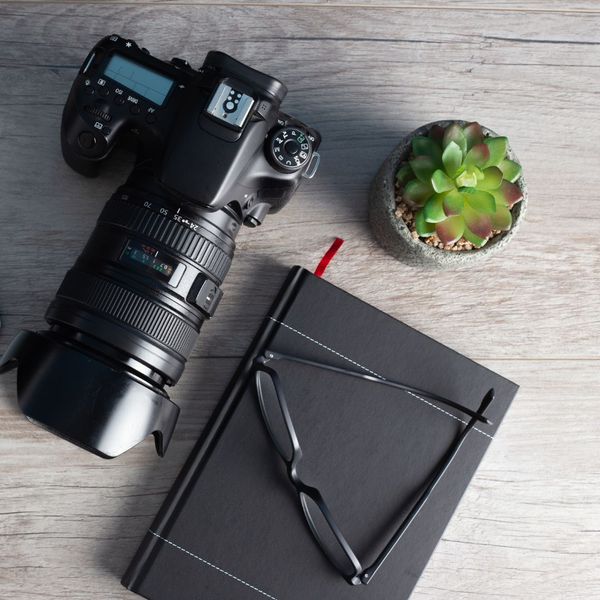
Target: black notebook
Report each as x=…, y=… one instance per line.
x=232, y=527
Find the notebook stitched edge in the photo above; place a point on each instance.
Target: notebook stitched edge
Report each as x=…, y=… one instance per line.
x=304, y=335
x=208, y=563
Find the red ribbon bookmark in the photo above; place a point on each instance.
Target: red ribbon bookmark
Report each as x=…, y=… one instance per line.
x=328, y=257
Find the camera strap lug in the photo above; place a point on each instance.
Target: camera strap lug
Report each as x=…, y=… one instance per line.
x=313, y=166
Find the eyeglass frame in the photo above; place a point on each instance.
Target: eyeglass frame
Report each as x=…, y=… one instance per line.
x=360, y=575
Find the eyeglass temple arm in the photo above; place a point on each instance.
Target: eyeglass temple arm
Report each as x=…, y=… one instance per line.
x=271, y=355
x=368, y=574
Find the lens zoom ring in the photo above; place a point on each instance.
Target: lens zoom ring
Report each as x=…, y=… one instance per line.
x=170, y=233
x=130, y=309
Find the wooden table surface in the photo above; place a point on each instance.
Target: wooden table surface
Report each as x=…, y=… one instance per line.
x=364, y=74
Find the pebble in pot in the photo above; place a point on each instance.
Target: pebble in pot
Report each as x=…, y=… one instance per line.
x=450, y=194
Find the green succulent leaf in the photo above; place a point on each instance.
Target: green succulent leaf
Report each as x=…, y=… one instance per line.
x=424, y=229
x=450, y=230
x=417, y=192
x=424, y=146
x=492, y=179
x=441, y=182
x=497, y=147
x=502, y=218
x=478, y=223
x=434, y=209
x=405, y=173
x=423, y=167
x=499, y=198
x=473, y=134
x=468, y=178
x=479, y=200
x=453, y=203
x=436, y=133
x=454, y=133
x=477, y=156
x=452, y=158
x=474, y=239
x=511, y=170
x=508, y=194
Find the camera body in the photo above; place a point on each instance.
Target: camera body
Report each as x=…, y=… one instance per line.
x=214, y=152
x=212, y=137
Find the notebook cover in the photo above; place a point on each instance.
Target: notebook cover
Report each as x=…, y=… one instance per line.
x=232, y=528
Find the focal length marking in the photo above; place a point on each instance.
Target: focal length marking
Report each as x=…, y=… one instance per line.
x=159, y=209
x=165, y=212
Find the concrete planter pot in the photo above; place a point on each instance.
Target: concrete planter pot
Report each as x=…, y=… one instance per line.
x=393, y=234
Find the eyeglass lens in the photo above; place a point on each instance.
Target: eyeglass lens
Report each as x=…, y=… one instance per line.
x=325, y=536
x=273, y=415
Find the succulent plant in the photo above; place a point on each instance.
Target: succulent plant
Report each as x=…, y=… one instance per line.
x=461, y=183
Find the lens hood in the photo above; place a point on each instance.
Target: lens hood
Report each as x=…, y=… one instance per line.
x=84, y=399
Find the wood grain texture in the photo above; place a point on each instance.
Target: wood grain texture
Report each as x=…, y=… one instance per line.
x=544, y=6
x=529, y=526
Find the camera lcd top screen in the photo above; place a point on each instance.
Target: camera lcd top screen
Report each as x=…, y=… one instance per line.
x=147, y=83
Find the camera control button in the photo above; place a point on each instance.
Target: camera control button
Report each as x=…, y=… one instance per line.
x=180, y=63
x=175, y=279
x=151, y=115
x=119, y=100
x=291, y=149
x=135, y=109
x=208, y=297
x=99, y=111
x=87, y=140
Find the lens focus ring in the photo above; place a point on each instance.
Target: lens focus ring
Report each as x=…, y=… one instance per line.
x=173, y=235
x=129, y=308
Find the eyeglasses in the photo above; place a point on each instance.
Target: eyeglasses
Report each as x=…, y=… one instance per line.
x=278, y=421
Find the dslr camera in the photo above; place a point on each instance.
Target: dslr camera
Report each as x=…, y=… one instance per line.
x=214, y=152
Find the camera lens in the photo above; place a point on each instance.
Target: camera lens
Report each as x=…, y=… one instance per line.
x=124, y=322
x=133, y=292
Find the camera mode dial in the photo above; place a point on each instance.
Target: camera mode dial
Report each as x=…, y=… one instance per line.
x=291, y=148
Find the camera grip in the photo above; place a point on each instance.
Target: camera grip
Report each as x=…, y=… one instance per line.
x=83, y=147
